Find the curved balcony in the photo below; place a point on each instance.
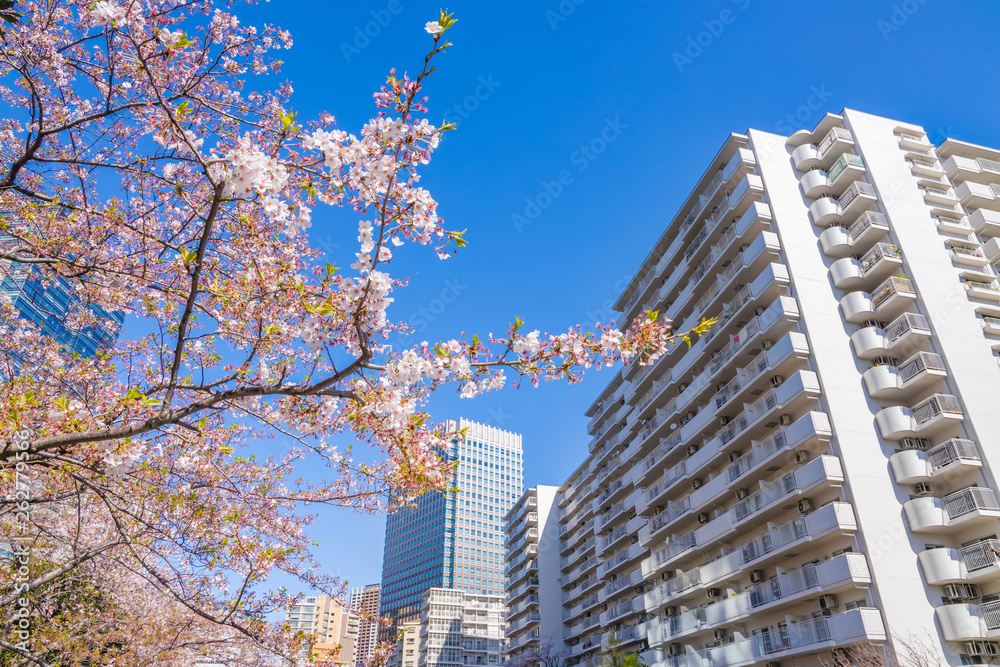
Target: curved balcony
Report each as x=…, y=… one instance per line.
x=914, y=465
x=857, y=307
x=814, y=183
x=888, y=300
x=972, y=563
x=805, y=157
x=799, y=138
x=911, y=376
x=874, y=341
x=928, y=417
x=836, y=241
x=965, y=622
x=859, y=197
x=968, y=506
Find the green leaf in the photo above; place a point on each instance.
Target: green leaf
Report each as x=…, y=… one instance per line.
x=286, y=119
x=188, y=256
x=182, y=108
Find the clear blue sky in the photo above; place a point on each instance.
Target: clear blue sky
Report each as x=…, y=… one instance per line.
x=666, y=81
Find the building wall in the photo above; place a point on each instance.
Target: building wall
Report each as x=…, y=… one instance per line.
x=333, y=625
x=365, y=603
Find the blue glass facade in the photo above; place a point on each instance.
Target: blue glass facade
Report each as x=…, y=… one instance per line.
x=455, y=540
x=49, y=303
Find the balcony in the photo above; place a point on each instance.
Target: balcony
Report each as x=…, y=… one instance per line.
x=941, y=196
x=985, y=222
x=952, y=225
x=847, y=169
x=797, y=637
x=912, y=142
x=858, y=198
x=902, y=333
x=926, y=166
x=911, y=466
x=928, y=417
x=978, y=170
x=967, y=622
x=979, y=196
x=845, y=572
x=830, y=147
x=968, y=506
x=989, y=291
x=658, y=560
x=889, y=381
x=876, y=265
x=972, y=563
x=890, y=299
x=838, y=241
x=967, y=254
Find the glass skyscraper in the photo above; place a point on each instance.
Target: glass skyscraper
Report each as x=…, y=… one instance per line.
x=455, y=540
x=48, y=303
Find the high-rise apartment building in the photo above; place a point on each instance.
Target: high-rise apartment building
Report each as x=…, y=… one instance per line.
x=454, y=540
x=335, y=627
x=364, y=603
x=814, y=473
x=533, y=576
x=49, y=304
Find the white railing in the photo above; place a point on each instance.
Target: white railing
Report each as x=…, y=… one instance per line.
x=969, y=500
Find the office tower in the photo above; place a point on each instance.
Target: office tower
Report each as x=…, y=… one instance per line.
x=454, y=540
x=814, y=474
x=532, y=542
x=50, y=302
x=332, y=623
x=364, y=602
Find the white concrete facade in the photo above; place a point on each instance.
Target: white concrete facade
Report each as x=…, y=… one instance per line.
x=817, y=470
x=533, y=576
x=459, y=628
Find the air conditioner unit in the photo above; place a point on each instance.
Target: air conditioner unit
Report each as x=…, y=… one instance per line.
x=639, y=590
x=604, y=607
x=633, y=539
x=785, y=420
x=776, y=380
x=913, y=443
x=733, y=456
x=723, y=420
x=720, y=634
x=801, y=457
x=713, y=592
x=682, y=386
x=982, y=648
x=827, y=602
x=703, y=517
x=766, y=344
x=759, y=310
x=805, y=505
x=675, y=649
x=666, y=575
x=742, y=493
x=962, y=591
x=756, y=576
x=670, y=611
x=692, y=450
x=922, y=489
x=696, y=483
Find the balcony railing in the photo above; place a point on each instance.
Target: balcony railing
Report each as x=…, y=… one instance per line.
x=935, y=406
x=842, y=163
x=757, y=453
x=904, y=323
x=982, y=554
x=969, y=500
x=877, y=253
x=831, y=136
x=867, y=219
x=952, y=450
x=853, y=192
x=890, y=288
x=918, y=363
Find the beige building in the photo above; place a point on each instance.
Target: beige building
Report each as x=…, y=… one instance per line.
x=335, y=628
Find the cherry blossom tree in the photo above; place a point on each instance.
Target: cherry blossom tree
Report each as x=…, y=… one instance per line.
x=145, y=162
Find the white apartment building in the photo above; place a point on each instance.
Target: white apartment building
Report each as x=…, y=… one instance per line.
x=817, y=470
x=533, y=574
x=459, y=629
